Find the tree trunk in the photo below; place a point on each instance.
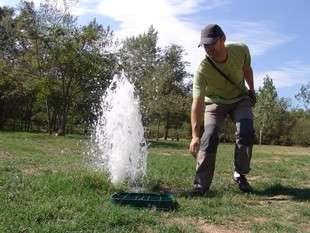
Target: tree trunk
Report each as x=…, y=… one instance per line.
x=63, y=123
x=260, y=136
x=158, y=125
x=63, y=120
x=49, y=123
x=167, y=126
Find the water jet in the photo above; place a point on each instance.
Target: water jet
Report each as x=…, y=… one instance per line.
x=119, y=133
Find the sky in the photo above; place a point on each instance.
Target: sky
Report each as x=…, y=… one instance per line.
x=276, y=31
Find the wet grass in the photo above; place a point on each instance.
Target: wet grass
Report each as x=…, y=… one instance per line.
x=47, y=184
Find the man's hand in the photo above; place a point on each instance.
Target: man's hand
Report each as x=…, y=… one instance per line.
x=194, y=146
x=252, y=96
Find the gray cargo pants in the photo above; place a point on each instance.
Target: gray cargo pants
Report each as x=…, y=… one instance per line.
x=241, y=113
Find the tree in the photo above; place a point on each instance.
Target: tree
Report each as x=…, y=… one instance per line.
x=77, y=65
x=158, y=75
x=269, y=112
x=16, y=101
x=300, y=133
x=7, y=51
x=49, y=63
x=138, y=57
x=174, y=102
x=304, y=97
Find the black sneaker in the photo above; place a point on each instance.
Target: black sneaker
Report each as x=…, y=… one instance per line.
x=199, y=191
x=243, y=184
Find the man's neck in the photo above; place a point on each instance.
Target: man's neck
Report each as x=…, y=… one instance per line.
x=222, y=56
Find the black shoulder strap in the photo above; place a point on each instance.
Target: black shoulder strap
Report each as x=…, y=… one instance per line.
x=218, y=70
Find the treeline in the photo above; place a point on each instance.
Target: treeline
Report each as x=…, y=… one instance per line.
x=53, y=73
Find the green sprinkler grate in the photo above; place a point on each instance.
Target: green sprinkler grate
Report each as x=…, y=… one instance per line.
x=145, y=200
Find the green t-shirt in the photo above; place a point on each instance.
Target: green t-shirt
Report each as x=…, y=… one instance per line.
x=211, y=85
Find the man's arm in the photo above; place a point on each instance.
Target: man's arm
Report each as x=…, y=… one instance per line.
x=248, y=76
x=196, y=121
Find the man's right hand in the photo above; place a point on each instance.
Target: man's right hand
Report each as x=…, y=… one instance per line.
x=194, y=146
x=196, y=119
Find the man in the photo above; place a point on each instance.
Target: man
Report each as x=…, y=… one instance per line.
x=217, y=96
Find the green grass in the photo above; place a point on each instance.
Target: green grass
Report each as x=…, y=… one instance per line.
x=47, y=184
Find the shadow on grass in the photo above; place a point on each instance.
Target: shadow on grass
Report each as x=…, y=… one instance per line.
x=168, y=144
x=297, y=194
x=182, y=192
x=273, y=192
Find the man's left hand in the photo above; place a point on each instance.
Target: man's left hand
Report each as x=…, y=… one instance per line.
x=252, y=96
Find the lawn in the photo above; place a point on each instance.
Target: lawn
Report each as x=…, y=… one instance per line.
x=49, y=184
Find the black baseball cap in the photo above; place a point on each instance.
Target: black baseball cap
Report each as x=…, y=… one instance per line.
x=210, y=33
